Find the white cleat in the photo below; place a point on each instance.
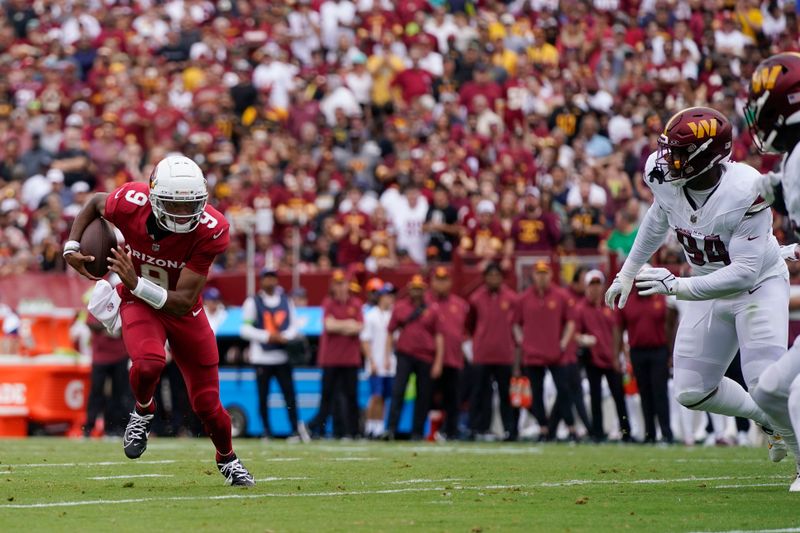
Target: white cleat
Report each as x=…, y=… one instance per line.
x=795, y=486
x=776, y=446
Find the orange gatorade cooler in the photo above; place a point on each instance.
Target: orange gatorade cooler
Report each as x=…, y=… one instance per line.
x=47, y=389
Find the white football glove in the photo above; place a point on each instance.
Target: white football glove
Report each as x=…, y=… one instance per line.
x=621, y=286
x=765, y=186
x=790, y=252
x=651, y=281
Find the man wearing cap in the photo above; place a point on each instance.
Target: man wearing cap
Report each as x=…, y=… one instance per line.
x=547, y=327
x=486, y=238
x=534, y=230
x=269, y=322
x=597, y=331
x=214, y=307
x=339, y=355
x=381, y=364
x=450, y=311
x=492, y=314
x=414, y=321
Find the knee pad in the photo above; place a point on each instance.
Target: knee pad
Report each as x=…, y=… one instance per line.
x=206, y=402
x=691, y=399
x=148, y=368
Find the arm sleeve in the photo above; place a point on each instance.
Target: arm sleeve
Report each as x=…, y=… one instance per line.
x=651, y=234
x=747, y=248
x=247, y=330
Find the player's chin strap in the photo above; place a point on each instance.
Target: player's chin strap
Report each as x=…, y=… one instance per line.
x=154, y=295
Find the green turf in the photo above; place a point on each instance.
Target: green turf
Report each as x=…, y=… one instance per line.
x=364, y=486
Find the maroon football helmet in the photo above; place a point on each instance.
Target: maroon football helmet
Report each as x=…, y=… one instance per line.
x=693, y=141
x=773, y=106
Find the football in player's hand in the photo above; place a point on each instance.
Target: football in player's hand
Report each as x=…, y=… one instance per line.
x=98, y=239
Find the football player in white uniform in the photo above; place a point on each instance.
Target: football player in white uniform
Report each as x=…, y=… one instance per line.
x=738, y=289
x=773, y=114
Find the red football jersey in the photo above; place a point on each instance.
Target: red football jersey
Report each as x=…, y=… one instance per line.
x=161, y=261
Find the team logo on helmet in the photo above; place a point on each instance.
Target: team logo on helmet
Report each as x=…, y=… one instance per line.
x=703, y=128
x=765, y=78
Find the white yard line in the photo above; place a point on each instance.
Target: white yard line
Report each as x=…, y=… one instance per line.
x=130, y=476
x=221, y=497
x=353, y=459
x=259, y=480
x=375, y=492
x=410, y=481
x=743, y=486
x=102, y=463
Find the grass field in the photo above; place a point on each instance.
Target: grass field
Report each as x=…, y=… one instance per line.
x=53, y=484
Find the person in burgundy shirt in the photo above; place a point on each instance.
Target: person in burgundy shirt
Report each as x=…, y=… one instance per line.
x=646, y=320
x=598, y=333
x=571, y=370
x=339, y=355
x=414, y=81
x=492, y=315
x=413, y=320
x=534, y=229
x=352, y=228
x=109, y=361
x=450, y=311
x=547, y=328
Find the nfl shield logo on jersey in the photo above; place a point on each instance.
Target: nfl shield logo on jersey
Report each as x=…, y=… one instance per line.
x=156, y=247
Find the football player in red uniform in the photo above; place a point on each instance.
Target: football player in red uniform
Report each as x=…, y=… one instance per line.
x=171, y=238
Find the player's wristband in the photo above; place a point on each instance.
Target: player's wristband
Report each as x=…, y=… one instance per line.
x=154, y=295
x=71, y=247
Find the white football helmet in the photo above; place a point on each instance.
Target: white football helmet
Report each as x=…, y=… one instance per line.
x=178, y=193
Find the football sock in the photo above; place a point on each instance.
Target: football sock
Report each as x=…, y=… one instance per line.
x=144, y=376
x=147, y=409
x=732, y=400
x=225, y=458
x=369, y=428
x=380, y=427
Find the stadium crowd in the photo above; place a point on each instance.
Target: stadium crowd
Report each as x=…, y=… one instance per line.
x=387, y=133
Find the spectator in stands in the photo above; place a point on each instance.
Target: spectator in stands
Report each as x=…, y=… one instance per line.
x=269, y=322
x=451, y=312
x=646, y=320
x=413, y=321
x=382, y=364
x=441, y=226
x=486, y=238
x=492, y=315
x=407, y=216
x=545, y=316
x=535, y=229
x=598, y=334
x=339, y=355
x=587, y=221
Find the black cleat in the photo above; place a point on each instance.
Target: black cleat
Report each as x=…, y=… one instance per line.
x=236, y=474
x=134, y=441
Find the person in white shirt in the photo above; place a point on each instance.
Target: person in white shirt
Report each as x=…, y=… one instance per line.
x=381, y=363
x=214, y=307
x=269, y=322
x=408, y=219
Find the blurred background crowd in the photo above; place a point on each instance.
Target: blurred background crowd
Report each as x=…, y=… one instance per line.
x=368, y=134
x=386, y=133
